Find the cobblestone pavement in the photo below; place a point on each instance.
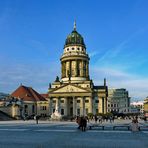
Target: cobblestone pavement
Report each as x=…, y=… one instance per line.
x=48, y=134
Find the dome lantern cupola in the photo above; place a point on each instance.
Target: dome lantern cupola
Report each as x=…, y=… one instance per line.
x=74, y=38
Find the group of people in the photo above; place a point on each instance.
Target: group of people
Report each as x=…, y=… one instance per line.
x=82, y=123
x=101, y=119
x=134, y=124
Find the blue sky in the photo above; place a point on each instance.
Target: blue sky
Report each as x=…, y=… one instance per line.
x=33, y=32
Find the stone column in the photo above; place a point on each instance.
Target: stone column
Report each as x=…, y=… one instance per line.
x=67, y=68
x=87, y=69
x=66, y=106
x=105, y=105
x=76, y=68
x=81, y=69
x=73, y=69
x=74, y=106
x=50, y=105
x=84, y=68
x=70, y=68
x=63, y=69
x=83, y=106
x=57, y=104
x=100, y=105
x=91, y=104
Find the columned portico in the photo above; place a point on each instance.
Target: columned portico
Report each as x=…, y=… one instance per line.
x=66, y=106
x=57, y=104
x=50, y=105
x=74, y=106
x=83, y=106
x=91, y=105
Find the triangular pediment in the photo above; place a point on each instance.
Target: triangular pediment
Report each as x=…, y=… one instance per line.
x=70, y=89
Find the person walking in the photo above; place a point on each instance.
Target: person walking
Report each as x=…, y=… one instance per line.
x=134, y=125
x=96, y=118
x=78, y=120
x=84, y=124
x=37, y=119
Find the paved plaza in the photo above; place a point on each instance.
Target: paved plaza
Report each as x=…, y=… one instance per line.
x=49, y=134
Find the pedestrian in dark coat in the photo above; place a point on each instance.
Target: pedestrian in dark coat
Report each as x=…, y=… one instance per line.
x=84, y=123
x=78, y=120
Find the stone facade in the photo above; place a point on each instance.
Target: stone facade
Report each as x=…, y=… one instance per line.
x=118, y=101
x=75, y=93
x=31, y=102
x=146, y=107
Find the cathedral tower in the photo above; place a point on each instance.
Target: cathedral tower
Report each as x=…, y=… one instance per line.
x=75, y=60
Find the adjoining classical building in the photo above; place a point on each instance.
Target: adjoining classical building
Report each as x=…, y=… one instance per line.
x=32, y=103
x=74, y=93
x=118, y=100
x=146, y=107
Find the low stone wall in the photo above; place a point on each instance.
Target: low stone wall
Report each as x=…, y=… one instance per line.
x=7, y=110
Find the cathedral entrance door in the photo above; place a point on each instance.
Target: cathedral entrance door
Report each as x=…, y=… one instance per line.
x=71, y=111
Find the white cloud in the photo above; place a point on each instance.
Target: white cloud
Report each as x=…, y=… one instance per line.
x=136, y=85
x=36, y=76
x=93, y=53
x=39, y=76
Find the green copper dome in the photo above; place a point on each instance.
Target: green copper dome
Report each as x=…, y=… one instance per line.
x=74, y=38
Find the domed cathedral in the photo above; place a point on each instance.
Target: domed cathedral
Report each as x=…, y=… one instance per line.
x=74, y=93
x=75, y=60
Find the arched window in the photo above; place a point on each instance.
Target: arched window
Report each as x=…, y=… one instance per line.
x=62, y=111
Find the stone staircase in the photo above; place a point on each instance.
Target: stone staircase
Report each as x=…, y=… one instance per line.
x=5, y=117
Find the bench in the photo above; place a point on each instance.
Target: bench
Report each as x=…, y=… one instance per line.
x=141, y=128
x=118, y=126
x=98, y=126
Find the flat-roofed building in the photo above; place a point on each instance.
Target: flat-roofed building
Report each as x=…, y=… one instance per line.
x=146, y=107
x=118, y=100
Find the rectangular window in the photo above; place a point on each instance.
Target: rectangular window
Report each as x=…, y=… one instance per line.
x=97, y=111
x=62, y=101
x=78, y=111
x=54, y=101
x=86, y=110
x=114, y=105
x=78, y=101
x=43, y=108
x=62, y=111
x=96, y=101
x=108, y=105
x=86, y=101
x=26, y=109
x=33, y=109
x=111, y=105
